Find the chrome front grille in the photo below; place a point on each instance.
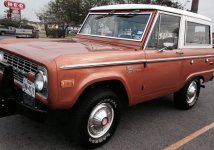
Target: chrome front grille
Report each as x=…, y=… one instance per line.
x=20, y=66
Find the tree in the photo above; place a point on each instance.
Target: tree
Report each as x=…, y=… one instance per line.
x=66, y=13
x=24, y=21
x=8, y=22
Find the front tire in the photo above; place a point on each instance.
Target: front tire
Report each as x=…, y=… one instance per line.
x=187, y=97
x=97, y=116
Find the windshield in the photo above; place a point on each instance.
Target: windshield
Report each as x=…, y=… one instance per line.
x=125, y=26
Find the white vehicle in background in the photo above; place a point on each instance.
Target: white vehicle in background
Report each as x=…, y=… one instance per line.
x=27, y=31
x=6, y=30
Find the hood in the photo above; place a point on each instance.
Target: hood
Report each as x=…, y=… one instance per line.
x=66, y=51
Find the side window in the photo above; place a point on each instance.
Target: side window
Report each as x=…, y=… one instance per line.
x=197, y=33
x=165, y=32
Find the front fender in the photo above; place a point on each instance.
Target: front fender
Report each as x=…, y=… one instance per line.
x=83, y=79
x=100, y=77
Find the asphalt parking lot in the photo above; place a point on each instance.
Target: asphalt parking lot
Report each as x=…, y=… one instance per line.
x=152, y=125
x=7, y=37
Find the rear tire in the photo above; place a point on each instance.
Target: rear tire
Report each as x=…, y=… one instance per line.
x=96, y=117
x=187, y=97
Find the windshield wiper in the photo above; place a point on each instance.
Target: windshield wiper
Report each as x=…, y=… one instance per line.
x=131, y=14
x=105, y=15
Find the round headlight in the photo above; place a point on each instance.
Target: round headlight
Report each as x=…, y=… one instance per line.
x=40, y=81
x=1, y=56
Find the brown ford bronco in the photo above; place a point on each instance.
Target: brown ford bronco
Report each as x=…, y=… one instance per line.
x=123, y=55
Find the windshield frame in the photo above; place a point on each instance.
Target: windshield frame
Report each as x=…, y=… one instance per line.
x=122, y=13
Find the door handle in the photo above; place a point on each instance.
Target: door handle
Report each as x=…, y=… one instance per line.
x=179, y=52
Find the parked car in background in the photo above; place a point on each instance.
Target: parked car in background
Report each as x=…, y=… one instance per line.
x=72, y=30
x=6, y=30
x=27, y=31
x=123, y=55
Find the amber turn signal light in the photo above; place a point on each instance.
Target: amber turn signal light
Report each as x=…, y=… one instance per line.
x=67, y=83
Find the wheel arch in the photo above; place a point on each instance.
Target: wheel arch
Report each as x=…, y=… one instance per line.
x=205, y=76
x=116, y=85
x=181, y=98
x=191, y=77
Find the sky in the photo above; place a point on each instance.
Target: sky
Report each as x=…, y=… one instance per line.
x=32, y=7
x=206, y=7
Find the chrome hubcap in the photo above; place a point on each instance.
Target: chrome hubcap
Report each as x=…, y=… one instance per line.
x=192, y=92
x=100, y=120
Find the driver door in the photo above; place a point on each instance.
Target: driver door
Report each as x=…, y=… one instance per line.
x=162, y=53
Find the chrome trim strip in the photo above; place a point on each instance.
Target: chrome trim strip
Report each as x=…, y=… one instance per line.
x=114, y=63
x=177, y=58
x=42, y=96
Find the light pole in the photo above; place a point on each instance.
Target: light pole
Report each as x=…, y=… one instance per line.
x=195, y=6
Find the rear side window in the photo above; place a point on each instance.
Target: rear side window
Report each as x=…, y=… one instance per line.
x=197, y=33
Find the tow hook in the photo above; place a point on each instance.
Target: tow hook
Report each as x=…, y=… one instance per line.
x=203, y=86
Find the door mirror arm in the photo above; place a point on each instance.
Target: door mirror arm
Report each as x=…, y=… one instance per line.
x=163, y=49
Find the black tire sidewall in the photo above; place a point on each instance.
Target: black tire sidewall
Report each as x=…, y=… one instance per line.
x=106, y=97
x=181, y=96
x=198, y=91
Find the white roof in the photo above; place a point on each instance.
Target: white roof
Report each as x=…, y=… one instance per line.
x=155, y=7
